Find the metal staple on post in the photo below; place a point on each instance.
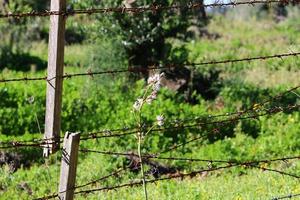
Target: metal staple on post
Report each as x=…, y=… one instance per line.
x=68, y=166
x=55, y=69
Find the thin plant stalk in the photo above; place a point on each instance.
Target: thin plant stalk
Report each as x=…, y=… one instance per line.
x=154, y=83
x=141, y=164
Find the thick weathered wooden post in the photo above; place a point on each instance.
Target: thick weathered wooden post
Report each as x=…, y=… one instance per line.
x=68, y=166
x=55, y=80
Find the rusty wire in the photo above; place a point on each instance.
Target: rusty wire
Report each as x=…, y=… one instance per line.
x=248, y=164
x=153, y=156
x=289, y=196
x=232, y=117
x=191, y=140
x=237, y=116
x=133, y=69
x=40, y=143
x=11, y=145
x=176, y=126
x=114, y=173
x=109, y=133
x=120, y=132
x=137, y=10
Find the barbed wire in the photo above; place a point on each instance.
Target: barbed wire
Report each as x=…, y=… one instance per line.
x=175, y=176
x=214, y=130
x=131, y=184
x=154, y=8
x=176, y=146
x=153, y=156
x=21, y=145
x=277, y=171
x=184, y=175
x=114, y=173
x=235, y=116
x=133, y=69
x=178, y=126
x=133, y=130
x=41, y=143
x=290, y=196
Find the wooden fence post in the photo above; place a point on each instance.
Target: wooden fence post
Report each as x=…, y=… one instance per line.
x=68, y=166
x=54, y=77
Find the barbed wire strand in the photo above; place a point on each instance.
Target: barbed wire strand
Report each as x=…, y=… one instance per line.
x=153, y=156
x=157, y=155
x=94, y=136
x=44, y=142
x=290, y=196
x=173, y=176
x=108, y=133
x=139, y=70
x=277, y=171
x=137, y=10
x=114, y=173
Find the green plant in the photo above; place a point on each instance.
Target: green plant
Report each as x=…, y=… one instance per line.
x=150, y=94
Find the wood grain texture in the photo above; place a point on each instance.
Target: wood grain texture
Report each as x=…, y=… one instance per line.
x=68, y=166
x=55, y=80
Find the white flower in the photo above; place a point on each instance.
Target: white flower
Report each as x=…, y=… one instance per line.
x=138, y=104
x=151, y=80
x=160, y=120
x=156, y=86
x=155, y=79
x=151, y=97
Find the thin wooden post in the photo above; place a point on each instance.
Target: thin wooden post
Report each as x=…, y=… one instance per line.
x=68, y=166
x=54, y=77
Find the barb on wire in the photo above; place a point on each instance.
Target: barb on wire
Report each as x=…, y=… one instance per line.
x=108, y=134
x=140, y=70
x=136, y=10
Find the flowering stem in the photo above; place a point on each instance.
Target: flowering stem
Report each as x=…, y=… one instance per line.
x=142, y=166
x=150, y=129
x=154, y=84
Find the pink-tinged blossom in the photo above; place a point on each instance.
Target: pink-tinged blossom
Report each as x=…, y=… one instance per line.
x=151, y=97
x=160, y=120
x=155, y=79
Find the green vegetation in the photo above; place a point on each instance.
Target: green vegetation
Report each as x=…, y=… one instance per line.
x=105, y=102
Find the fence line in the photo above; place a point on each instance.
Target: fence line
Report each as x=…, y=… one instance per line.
x=137, y=10
x=183, y=175
x=143, y=70
x=44, y=142
x=153, y=156
x=271, y=111
x=248, y=164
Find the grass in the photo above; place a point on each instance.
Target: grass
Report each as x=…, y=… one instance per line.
x=278, y=136
x=225, y=184
x=254, y=185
